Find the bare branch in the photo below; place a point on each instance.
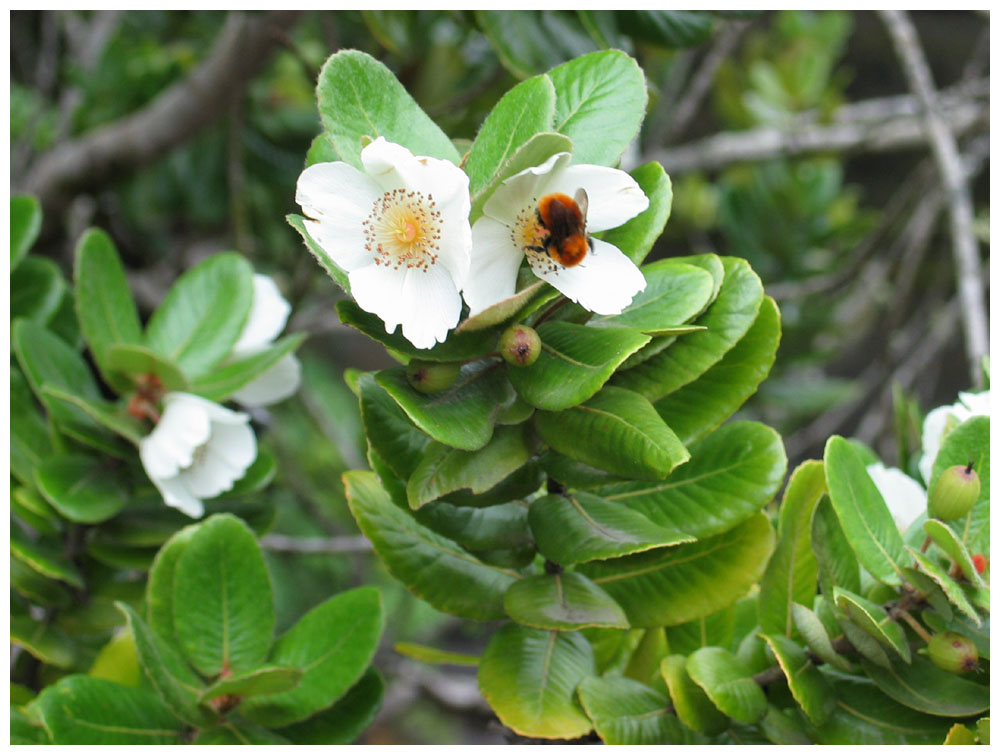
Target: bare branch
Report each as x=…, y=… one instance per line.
x=342, y=544
x=945, y=149
x=243, y=49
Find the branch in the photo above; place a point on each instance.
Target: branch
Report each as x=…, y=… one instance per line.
x=243, y=49
x=945, y=149
x=879, y=125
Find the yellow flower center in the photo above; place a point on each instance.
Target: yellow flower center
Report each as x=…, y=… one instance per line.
x=403, y=229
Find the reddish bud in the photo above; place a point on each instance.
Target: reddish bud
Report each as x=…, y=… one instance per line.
x=953, y=652
x=520, y=345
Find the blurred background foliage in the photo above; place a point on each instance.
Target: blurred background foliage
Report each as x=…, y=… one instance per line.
x=853, y=243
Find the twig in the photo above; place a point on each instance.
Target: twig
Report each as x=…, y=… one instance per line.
x=945, y=149
x=341, y=544
x=242, y=50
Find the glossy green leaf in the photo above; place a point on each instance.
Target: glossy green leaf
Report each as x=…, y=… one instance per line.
x=673, y=585
x=714, y=629
x=529, y=678
x=25, y=225
x=874, y=620
x=30, y=442
x=236, y=730
x=104, y=303
x=692, y=705
x=524, y=111
x=333, y=644
x=461, y=416
x=346, y=719
x=949, y=586
x=969, y=442
x=443, y=469
x=626, y=712
x=960, y=735
x=636, y=237
x=782, y=729
x=923, y=686
x=29, y=506
x=929, y=591
x=504, y=309
x=389, y=431
x=160, y=586
x=81, y=488
x=644, y=655
x=616, y=430
x=531, y=41
x=600, y=103
x=864, y=516
x=36, y=588
x=433, y=567
x=36, y=290
x=267, y=680
x=669, y=28
x=26, y=729
x=427, y=654
x=83, y=710
x=359, y=97
x=203, y=314
x=983, y=730
x=727, y=683
x=46, y=642
x=946, y=539
x=732, y=474
x=699, y=407
x=729, y=318
x=837, y=563
x=574, y=363
x=815, y=636
x=791, y=574
x=808, y=686
x=575, y=474
x=323, y=257
x=222, y=605
x=577, y=527
x=674, y=293
x=223, y=381
x=564, y=601
x=44, y=559
x=491, y=528
x=107, y=415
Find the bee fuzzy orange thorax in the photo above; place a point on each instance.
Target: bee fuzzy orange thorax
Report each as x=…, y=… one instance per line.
x=564, y=219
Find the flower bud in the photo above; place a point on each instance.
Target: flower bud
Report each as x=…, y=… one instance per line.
x=954, y=493
x=953, y=652
x=520, y=345
x=980, y=562
x=432, y=377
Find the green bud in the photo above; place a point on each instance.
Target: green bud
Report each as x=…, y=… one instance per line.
x=954, y=493
x=953, y=652
x=432, y=377
x=520, y=345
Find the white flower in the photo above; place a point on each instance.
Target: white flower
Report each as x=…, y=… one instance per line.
x=942, y=420
x=267, y=319
x=604, y=282
x=904, y=496
x=400, y=230
x=197, y=450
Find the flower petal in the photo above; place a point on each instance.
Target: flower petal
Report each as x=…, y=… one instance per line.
x=495, y=261
x=393, y=166
x=522, y=191
x=605, y=282
x=267, y=317
x=274, y=385
x=903, y=495
x=613, y=195
x=337, y=198
x=176, y=494
x=236, y=444
x=426, y=302
x=183, y=426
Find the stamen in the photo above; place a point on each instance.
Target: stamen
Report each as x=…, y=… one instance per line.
x=403, y=229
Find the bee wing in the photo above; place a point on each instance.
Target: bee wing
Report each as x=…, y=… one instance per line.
x=581, y=201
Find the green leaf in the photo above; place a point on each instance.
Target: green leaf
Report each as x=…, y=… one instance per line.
x=431, y=566
x=224, y=381
x=577, y=527
x=529, y=678
x=160, y=586
x=46, y=642
x=636, y=237
x=344, y=722
x=791, y=574
x=626, y=712
x=104, y=303
x=358, y=97
x=714, y=629
x=29, y=435
x=36, y=290
x=45, y=560
x=491, y=528
x=390, y=432
x=503, y=310
x=946, y=539
x=699, y=407
x=729, y=318
x=600, y=103
x=113, y=417
x=174, y=681
x=983, y=724
x=782, y=729
x=930, y=591
x=333, y=644
x=816, y=637
x=837, y=563
x=668, y=28
x=321, y=150
x=25, y=225
x=732, y=474
x=26, y=729
x=960, y=735
x=643, y=656
x=203, y=314
x=563, y=601
x=873, y=619
x=530, y=41
x=808, y=686
x=444, y=469
x=616, y=430
x=325, y=261
x=81, y=487
x=674, y=293
x=236, y=730
x=692, y=705
x=435, y=655
x=83, y=710
x=969, y=442
x=673, y=585
x=727, y=683
x=38, y=589
x=462, y=415
x=132, y=361
x=222, y=604
x=923, y=686
x=524, y=111
x=575, y=474
x=864, y=516
x=949, y=586
x=268, y=680
x=574, y=363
